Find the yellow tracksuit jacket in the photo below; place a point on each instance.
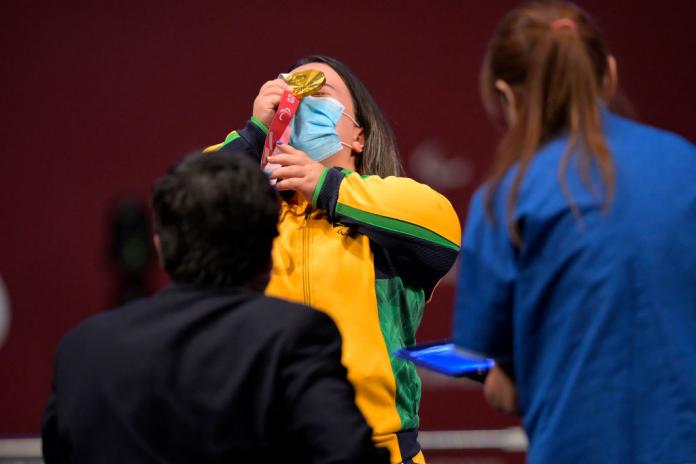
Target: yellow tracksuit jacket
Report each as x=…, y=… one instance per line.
x=368, y=251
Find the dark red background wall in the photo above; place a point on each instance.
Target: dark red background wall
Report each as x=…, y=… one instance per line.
x=98, y=98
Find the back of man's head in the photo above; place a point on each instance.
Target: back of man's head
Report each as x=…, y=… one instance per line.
x=216, y=216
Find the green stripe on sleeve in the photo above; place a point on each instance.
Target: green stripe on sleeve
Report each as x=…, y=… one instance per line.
x=257, y=122
x=319, y=186
x=230, y=137
x=394, y=225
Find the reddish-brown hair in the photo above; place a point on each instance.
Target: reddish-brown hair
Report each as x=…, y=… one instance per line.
x=556, y=70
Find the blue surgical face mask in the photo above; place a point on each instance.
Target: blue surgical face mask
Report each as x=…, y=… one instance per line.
x=313, y=129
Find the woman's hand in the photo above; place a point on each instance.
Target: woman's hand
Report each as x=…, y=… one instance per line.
x=298, y=171
x=268, y=99
x=500, y=391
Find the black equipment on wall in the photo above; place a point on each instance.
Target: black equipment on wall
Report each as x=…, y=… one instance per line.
x=131, y=251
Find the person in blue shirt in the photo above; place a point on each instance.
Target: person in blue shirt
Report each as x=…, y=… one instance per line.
x=578, y=261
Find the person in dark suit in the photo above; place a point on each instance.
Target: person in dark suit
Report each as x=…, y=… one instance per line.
x=209, y=369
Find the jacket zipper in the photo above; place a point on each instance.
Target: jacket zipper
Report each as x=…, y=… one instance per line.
x=305, y=256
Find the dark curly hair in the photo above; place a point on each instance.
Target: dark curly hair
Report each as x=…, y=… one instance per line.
x=216, y=216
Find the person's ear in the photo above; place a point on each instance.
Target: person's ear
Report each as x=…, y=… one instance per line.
x=611, y=78
x=358, y=142
x=508, y=100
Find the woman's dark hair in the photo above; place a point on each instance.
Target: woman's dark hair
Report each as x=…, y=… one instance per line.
x=216, y=216
x=554, y=59
x=381, y=155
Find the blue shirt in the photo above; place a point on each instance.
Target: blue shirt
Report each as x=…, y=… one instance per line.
x=597, y=311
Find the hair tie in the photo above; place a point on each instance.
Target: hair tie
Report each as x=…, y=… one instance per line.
x=563, y=22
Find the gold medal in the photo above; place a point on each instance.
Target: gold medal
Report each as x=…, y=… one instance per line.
x=304, y=83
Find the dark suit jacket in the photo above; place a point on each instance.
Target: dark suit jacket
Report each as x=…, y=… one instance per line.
x=196, y=375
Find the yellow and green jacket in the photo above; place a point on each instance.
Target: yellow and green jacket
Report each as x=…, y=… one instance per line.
x=369, y=252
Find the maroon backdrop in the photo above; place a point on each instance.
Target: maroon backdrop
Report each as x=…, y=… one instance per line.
x=98, y=98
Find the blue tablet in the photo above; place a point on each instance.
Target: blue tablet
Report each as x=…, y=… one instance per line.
x=446, y=358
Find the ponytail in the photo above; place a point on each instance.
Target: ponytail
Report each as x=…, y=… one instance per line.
x=555, y=61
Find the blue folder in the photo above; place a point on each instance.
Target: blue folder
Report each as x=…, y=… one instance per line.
x=446, y=358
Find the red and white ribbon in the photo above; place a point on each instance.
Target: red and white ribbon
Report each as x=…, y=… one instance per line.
x=280, y=128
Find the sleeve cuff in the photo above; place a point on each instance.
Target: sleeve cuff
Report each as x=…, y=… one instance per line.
x=254, y=133
x=326, y=192
x=257, y=122
x=319, y=186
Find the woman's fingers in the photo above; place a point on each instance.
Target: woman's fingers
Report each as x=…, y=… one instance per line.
x=268, y=100
x=288, y=184
x=287, y=172
x=275, y=92
x=287, y=160
x=275, y=85
x=284, y=148
x=271, y=91
x=289, y=156
x=297, y=172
